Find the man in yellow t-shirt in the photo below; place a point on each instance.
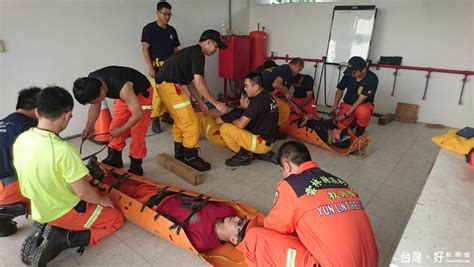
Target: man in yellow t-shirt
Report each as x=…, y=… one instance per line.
x=53, y=176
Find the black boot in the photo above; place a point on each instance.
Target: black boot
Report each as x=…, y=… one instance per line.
x=359, y=130
x=269, y=156
x=38, y=233
x=114, y=158
x=155, y=125
x=239, y=159
x=7, y=226
x=192, y=158
x=167, y=118
x=59, y=240
x=136, y=166
x=179, y=151
x=15, y=209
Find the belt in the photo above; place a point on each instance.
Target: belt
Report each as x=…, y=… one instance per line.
x=8, y=180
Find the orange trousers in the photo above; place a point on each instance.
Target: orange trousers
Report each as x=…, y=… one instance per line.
x=138, y=132
x=11, y=194
x=101, y=221
x=264, y=247
x=362, y=114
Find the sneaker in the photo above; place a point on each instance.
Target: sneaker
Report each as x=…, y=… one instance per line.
x=239, y=159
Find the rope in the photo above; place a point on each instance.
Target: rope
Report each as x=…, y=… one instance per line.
x=102, y=149
x=361, y=154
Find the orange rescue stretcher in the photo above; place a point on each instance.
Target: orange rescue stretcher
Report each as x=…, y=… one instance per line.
x=138, y=213
x=308, y=135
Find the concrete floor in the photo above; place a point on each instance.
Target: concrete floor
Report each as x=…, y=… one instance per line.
x=389, y=182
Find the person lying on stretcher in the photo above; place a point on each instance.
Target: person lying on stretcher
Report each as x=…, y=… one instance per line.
x=327, y=131
x=207, y=223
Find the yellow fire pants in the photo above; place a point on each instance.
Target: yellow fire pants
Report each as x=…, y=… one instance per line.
x=210, y=129
x=283, y=111
x=186, y=126
x=235, y=138
x=158, y=106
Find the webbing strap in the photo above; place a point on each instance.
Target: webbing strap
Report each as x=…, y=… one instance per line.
x=147, y=107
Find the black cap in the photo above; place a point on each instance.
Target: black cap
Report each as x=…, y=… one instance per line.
x=355, y=63
x=213, y=35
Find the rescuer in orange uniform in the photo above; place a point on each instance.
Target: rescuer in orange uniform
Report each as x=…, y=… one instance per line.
x=317, y=219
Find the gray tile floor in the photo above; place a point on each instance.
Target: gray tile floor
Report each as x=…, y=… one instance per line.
x=389, y=182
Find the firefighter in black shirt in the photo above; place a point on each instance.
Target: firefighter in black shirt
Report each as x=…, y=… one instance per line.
x=256, y=130
x=186, y=67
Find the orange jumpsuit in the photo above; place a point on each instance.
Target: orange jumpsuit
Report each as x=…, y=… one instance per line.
x=316, y=219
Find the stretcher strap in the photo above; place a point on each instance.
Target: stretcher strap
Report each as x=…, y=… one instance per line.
x=291, y=258
x=182, y=104
x=120, y=178
x=196, y=206
x=157, y=198
x=358, y=153
x=93, y=217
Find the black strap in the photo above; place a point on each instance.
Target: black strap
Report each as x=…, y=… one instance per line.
x=157, y=198
x=121, y=178
x=195, y=207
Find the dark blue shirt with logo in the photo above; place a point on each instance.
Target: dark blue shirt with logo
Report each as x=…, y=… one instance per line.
x=162, y=40
x=10, y=127
x=270, y=75
x=367, y=86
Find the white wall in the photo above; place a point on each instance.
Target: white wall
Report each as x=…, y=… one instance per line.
x=431, y=33
x=56, y=41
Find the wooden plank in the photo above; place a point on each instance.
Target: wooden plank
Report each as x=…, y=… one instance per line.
x=179, y=168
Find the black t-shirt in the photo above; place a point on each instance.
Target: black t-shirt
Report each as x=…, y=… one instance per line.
x=305, y=86
x=10, y=128
x=367, y=86
x=181, y=66
x=162, y=40
x=270, y=75
x=263, y=113
x=232, y=115
x=116, y=76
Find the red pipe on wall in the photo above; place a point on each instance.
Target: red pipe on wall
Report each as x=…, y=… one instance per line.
x=401, y=67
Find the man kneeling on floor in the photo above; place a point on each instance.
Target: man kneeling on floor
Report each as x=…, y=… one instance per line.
x=316, y=220
x=256, y=130
x=53, y=176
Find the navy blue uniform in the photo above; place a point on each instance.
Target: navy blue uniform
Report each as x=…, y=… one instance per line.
x=270, y=75
x=162, y=40
x=367, y=86
x=10, y=127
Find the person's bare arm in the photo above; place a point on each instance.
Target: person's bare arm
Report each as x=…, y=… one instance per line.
x=201, y=86
x=241, y=122
x=92, y=115
x=338, y=97
x=194, y=92
x=147, y=56
x=278, y=84
x=128, y=96
x=89, y=194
